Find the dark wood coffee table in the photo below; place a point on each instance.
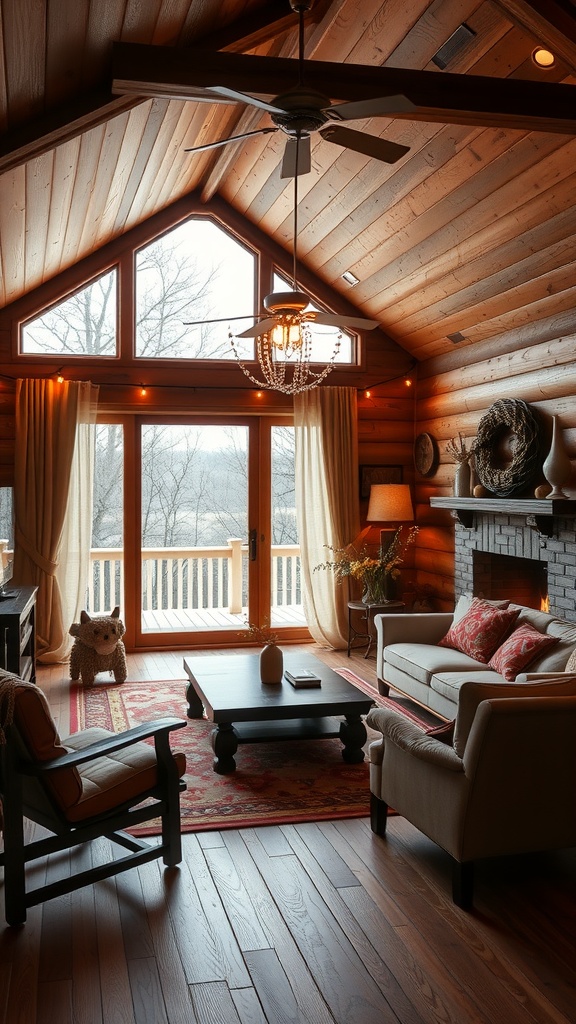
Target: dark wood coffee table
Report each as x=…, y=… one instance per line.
x=227, y=688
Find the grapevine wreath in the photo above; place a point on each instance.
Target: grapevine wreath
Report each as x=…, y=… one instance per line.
x=507, y=448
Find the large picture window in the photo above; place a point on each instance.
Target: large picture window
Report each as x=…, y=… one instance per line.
x=197, y=273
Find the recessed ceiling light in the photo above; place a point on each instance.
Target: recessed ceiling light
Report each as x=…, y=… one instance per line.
x=349, y=277
x=543, y=58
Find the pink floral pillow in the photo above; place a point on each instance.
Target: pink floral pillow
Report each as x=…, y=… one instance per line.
x=521, y=647
x=481, y=630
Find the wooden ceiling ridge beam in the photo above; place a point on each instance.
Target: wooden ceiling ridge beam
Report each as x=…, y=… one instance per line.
x=139, y=69
x=73, y=118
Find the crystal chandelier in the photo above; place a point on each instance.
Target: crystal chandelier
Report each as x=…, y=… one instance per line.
x=284, y=350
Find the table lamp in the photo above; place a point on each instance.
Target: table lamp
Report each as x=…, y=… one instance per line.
x=389, y=503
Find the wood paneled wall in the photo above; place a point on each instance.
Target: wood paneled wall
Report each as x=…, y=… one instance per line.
x=536, y=364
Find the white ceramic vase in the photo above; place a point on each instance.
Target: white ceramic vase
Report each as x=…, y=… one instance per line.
x=557, y=467
x=271, y=664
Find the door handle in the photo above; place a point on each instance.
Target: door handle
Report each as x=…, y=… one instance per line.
x=252, y=545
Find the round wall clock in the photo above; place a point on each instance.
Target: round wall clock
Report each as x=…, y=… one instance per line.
x=425, y=454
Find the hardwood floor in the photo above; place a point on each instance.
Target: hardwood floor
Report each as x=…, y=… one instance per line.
x=315, y=923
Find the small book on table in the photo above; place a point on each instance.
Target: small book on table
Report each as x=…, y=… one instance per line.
x=303, y=678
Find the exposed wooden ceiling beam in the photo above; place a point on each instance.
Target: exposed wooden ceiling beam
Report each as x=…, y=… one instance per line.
x=85, y=112
x=69, y=120
x=144, y=70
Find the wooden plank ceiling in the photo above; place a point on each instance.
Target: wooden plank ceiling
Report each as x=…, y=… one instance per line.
x=469, y=236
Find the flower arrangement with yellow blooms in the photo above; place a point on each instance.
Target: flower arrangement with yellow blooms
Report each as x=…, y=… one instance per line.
x=372, y=572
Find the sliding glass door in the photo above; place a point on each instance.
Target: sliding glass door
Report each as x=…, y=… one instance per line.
x=210, y=541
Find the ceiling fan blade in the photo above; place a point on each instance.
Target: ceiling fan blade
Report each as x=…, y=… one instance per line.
x=334, y=320
x=233, y=138
x=360, y=142
x=243, y=97
x=222, y=320
x=258, y=329
x=296, y=151
x=381, y=106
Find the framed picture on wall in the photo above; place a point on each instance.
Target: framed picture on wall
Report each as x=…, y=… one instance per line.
x=378, y=475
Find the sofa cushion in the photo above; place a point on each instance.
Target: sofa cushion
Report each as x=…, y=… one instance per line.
x=556, y=658
x=519, y=650
x=473, y=693
x=422, y=661
x=481, y=630
x=117, y=777
x=465, y=601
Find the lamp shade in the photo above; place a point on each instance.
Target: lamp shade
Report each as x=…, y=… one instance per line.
x=389, y=503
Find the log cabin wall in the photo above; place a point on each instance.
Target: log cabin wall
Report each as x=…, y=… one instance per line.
x=535, y=363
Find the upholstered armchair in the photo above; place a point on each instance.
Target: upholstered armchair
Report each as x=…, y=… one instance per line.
x=93, y=783
x=504, y=784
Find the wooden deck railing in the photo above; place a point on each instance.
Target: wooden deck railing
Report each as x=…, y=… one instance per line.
x=192, y=578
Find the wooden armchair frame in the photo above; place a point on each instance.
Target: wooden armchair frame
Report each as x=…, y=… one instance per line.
x=162, y=800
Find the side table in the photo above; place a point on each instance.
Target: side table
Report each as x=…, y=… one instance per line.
x=365, y=632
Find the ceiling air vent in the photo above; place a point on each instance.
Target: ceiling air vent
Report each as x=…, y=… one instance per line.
x=451, y=47
x=456, y=338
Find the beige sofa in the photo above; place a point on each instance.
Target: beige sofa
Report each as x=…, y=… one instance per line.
x=409, y=659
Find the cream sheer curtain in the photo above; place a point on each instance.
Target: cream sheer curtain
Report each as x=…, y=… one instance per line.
x=55, y=436
x=327, y=508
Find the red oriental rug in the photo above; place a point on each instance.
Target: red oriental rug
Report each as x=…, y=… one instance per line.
x=274, y=783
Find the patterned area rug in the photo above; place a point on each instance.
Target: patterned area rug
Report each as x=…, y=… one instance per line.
x=274, y=783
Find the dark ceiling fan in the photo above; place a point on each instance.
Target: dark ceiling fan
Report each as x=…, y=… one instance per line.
x=302, y=110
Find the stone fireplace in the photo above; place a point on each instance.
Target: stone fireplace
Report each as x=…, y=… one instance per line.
x=502, y=555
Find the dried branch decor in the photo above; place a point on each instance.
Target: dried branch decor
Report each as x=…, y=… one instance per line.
x=458, y=451
x=507, y=447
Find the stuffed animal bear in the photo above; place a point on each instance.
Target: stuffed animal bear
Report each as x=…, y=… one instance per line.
x=98, y=647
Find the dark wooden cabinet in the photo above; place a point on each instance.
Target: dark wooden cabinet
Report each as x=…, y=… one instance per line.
x=18, y=633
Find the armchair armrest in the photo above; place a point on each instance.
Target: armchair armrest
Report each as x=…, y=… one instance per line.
x=407, y=736
x=159, y=727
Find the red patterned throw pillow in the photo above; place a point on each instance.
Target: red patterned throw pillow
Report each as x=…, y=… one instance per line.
x=481, y=630
x=521, y=647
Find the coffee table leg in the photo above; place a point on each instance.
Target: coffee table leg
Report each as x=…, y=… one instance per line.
x=224, y=739
x=195, y=705
x=353, y=735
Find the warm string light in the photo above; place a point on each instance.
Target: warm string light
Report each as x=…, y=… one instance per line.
x=408, y=382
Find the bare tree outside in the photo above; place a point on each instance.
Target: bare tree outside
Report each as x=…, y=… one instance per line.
x=186, y=279
x=84, y=324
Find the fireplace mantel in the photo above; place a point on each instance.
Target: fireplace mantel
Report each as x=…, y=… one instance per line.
x=539, y=512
